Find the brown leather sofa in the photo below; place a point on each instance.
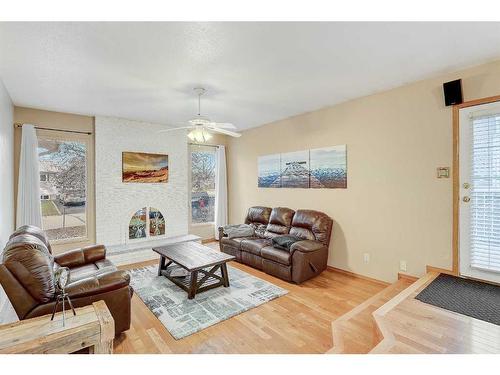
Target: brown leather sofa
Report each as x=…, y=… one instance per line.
x=306, y=259
x=27, y=276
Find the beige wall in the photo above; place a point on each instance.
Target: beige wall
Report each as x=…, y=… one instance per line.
x=7, y=221
x=63, y=121
x=205, y=231
x=394, y=207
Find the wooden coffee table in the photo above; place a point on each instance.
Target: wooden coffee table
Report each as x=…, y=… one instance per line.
x=194, y=258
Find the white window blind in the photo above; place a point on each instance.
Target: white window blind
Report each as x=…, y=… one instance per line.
x=485, y=193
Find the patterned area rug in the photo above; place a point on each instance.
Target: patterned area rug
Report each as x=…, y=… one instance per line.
x=183, y=317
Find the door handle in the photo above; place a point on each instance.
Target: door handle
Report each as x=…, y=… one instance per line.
x=466, y=199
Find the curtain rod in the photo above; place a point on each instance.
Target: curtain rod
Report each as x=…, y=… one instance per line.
x=202, y=144
x=19, y=125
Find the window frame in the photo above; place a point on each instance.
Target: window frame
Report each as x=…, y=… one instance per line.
x=86, y=139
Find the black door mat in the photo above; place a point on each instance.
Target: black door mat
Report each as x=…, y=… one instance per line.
x=468, y=297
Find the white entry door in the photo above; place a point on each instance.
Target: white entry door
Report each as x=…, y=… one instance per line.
x=479, y=150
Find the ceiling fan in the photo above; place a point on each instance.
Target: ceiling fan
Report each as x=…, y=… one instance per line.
x=201, y=126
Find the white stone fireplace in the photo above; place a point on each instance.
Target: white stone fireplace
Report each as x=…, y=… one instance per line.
x=117, y=202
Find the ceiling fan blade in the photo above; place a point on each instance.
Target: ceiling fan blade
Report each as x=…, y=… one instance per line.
x=222, y=125
x=226, y=132
x=178, y=128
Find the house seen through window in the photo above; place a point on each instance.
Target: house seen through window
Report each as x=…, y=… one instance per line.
x=202, y=184
x=63, y=182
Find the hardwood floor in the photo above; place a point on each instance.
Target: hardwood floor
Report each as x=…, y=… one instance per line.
x=299, y=322
x=410, y=326
x=355, y=332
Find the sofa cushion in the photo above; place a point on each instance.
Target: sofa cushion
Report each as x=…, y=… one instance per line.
x=29, y=261
x=279, y=222
x=258, y=215
x=258, y=218
x=312, y=225
x=276, y=255
x=255, y=245
x=105, y=264
x=234, y=242
x=100, y=267
x=82, y=272
x=34, y=231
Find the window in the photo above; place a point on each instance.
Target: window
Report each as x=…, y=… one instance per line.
x=63, y=194
x=202, y=184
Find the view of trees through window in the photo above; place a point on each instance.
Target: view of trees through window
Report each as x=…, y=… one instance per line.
x=202, y=184
x=63, y=188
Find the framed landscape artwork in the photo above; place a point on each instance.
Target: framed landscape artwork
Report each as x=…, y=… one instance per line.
x=269, y=171
x=328, y=167
x=144, y=168
x=320, y=168
x=295, y=169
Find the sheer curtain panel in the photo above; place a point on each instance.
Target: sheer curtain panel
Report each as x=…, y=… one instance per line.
x=220, y=190
x=28, y=192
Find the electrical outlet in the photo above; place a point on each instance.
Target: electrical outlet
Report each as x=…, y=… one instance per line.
x=366, y=257
x=402, y=265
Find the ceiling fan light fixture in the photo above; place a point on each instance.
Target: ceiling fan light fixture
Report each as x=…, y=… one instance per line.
x=201, y=128
x=191, y=135
x=199, y=135
x=199, y=120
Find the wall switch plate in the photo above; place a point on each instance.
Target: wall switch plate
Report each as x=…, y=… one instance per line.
x=443, y=172
x=366, y=257
x=402, y=265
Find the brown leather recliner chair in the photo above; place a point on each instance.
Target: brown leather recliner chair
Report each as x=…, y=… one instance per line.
x=306, y=259
x=27, y=276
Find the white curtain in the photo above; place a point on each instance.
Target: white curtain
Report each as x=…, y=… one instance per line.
x=220, y=191
x=29, y=210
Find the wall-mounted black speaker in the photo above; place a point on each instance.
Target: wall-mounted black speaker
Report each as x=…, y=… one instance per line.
x=453, y=92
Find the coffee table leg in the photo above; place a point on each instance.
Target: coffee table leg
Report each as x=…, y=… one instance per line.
x=192, y=284
x=225, y=275
x=161, y=267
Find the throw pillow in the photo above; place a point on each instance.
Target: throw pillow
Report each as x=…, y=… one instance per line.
x=284, y=242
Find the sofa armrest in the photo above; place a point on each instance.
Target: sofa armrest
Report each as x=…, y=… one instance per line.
x=98, y=284
x=306, y=246
x=82, y=256
x=221, y=232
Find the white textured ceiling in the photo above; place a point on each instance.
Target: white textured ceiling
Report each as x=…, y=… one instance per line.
x=255, y=73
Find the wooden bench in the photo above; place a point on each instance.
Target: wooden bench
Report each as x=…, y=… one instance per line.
x=93, y=327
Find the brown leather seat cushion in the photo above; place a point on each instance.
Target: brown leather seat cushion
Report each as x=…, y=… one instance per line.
x=92, y=269
x=254, y=246
x=105, y=264
x=235, y=242
x=276, y=255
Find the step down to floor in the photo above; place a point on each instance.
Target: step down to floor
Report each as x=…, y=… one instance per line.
x=356, y=332
x=407, y=325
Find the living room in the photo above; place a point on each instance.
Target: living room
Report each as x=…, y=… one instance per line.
x=207, y=187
